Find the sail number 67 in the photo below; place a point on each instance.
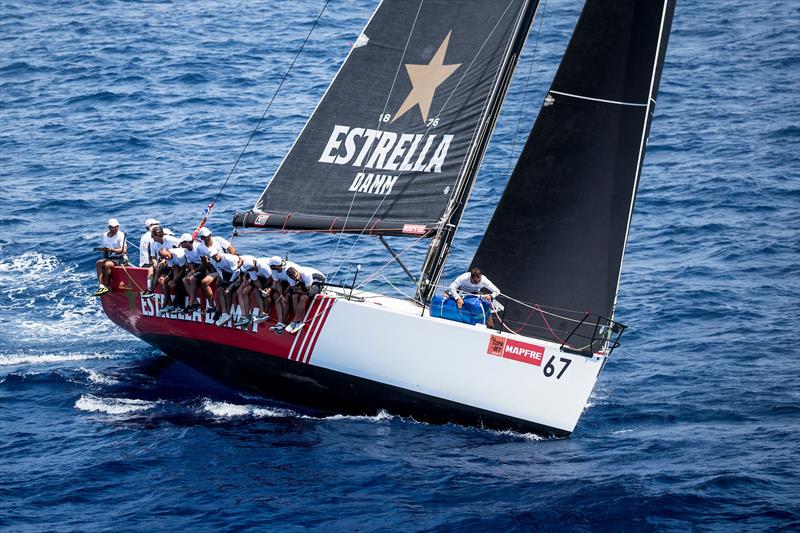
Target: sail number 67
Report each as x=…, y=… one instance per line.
x=550, y=369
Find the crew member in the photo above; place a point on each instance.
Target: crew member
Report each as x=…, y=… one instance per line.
x=144, y=242
x=114, y=249
x=280, y=289
x=193, y=271
x=253, y=293
x=206, y=248
x=172, y=280
x=474, y=282
x=160, y=241
x=305, y=283
x=228, y=267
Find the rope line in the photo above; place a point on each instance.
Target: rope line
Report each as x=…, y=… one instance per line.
x=525, y=92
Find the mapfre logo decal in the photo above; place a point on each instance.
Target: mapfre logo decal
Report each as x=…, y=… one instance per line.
x=518, y=351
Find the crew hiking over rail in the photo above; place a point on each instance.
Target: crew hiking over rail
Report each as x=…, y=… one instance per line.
x=209, y=269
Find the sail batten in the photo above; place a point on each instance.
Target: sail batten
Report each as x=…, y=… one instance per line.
x=391, y=136
x=565, y=214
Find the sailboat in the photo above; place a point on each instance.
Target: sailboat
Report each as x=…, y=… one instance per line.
x=393, y=148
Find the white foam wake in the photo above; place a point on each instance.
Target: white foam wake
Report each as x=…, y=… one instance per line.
x=380, y=417
x=112, y=406
x=46, y=300
x=231, y=410
x=43, y=359
x=98, y=378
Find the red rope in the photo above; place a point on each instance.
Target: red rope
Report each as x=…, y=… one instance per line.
x=286, y=221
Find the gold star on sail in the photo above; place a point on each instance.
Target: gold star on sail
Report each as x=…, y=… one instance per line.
x=424, y=81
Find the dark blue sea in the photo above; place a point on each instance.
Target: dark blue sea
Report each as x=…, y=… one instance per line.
x=138, y=109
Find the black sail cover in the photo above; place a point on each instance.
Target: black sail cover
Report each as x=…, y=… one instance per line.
x=387, y=142
x=559, y=231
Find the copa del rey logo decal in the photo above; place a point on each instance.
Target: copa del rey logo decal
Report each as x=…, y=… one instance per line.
x=387, y=152
x=516, y=350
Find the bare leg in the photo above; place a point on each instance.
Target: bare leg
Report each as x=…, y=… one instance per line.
x=206, y=284
x=190, y=284
x=99, y=268
x=300, y=307
x=279, y=303
x=108, y=267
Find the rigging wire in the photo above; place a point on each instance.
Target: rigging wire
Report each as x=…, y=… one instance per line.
x=210, y=206
x=525, y=92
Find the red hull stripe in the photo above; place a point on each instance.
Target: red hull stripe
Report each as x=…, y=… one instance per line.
x=298, y=339
x=309, y=328
x=315, y=317
x=318, y=331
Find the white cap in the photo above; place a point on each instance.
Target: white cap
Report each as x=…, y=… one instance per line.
x=150, y=222
x=186, y=237
x=204, y=232
x=113, y=222
x=275, y=261
x=168, y=231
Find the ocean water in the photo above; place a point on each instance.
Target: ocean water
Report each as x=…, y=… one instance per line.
x=135, y=109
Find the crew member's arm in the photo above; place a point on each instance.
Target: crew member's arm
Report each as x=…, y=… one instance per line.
x=492, y=287
x=452, y=290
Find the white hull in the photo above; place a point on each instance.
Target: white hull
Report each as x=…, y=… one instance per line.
x=393, y=344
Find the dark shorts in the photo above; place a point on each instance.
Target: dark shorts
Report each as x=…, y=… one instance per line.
x=224, y=281
x=316, y=286
x=197, y=275
x=263, y=281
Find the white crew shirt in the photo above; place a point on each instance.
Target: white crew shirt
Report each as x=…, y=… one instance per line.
x=178, y=257
x=463, y=283
x=227, y=263
x=217, y=244
x=281, y=276
x=193, y=256
x=168, y=242
x=144, y=248
x=262, y=269
x=306, y=276
x=113, y=242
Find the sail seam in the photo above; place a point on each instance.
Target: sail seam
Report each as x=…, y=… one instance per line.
x=603, y=100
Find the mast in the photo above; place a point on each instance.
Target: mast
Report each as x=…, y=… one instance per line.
x=439, y=248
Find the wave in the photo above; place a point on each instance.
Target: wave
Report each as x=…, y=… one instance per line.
x=231, y=410
x=380, y=417
x=113, y=406
x=43, y=300
x=43, y=359
x=98, y=378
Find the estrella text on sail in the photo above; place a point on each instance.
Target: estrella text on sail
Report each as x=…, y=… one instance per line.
x=381, y=150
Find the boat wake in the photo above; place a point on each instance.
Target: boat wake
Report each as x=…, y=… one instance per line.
x=225, y=410
x=44, y=301
x=113, y=406
x=48, y=358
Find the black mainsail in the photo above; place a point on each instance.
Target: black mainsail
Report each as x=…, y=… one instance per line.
x=403, y=125
x=558, y=234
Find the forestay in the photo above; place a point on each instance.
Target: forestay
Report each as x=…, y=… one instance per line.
x=388, y=142
x=559, y=231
